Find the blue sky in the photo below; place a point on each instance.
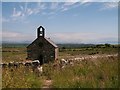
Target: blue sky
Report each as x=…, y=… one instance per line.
x=65, y=22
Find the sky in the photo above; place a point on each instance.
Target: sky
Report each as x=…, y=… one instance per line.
x=64, y=22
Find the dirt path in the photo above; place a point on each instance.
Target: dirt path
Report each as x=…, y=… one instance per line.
x=47, y=84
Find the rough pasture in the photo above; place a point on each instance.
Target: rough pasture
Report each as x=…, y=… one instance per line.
x=84, y=68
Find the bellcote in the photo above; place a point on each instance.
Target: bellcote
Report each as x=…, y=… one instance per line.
x=40, y=32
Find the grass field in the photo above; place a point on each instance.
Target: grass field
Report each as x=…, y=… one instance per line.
x=100, y=73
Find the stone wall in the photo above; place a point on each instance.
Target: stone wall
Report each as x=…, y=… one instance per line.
x=41, y=48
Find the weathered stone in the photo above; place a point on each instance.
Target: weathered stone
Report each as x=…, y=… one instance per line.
x=42, y=49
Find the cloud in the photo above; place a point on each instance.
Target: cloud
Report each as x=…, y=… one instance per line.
x=109, y=5
x=25, y=8
x=65, y=9
x=54, y=5
x=10, y=34
x=15, y=36
x=24, y=11
x=29, y=11
x=16, y=13
x=67, y=37
x=42, y=8
x=82, y=37
x=60, y=0
x=21, y=7
x=5, y=19
x=84, y=1
x=70, y=4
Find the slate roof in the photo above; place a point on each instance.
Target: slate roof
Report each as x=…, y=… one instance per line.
x=51, y=42
x=47, y=39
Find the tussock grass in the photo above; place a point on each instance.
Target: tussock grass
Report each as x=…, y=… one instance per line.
x=100, y=73
x=88, y=75
x=20, y=78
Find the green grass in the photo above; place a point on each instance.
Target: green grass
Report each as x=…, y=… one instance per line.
x=100, y=73
x=20, y=78
x=13, y=54
x=89, y=51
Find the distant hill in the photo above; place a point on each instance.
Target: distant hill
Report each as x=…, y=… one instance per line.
x=75, y=45
x=14, y=45
x=65, y=45
x=60, y=45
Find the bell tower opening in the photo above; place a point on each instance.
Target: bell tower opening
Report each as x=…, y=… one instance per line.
x=40, y=32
